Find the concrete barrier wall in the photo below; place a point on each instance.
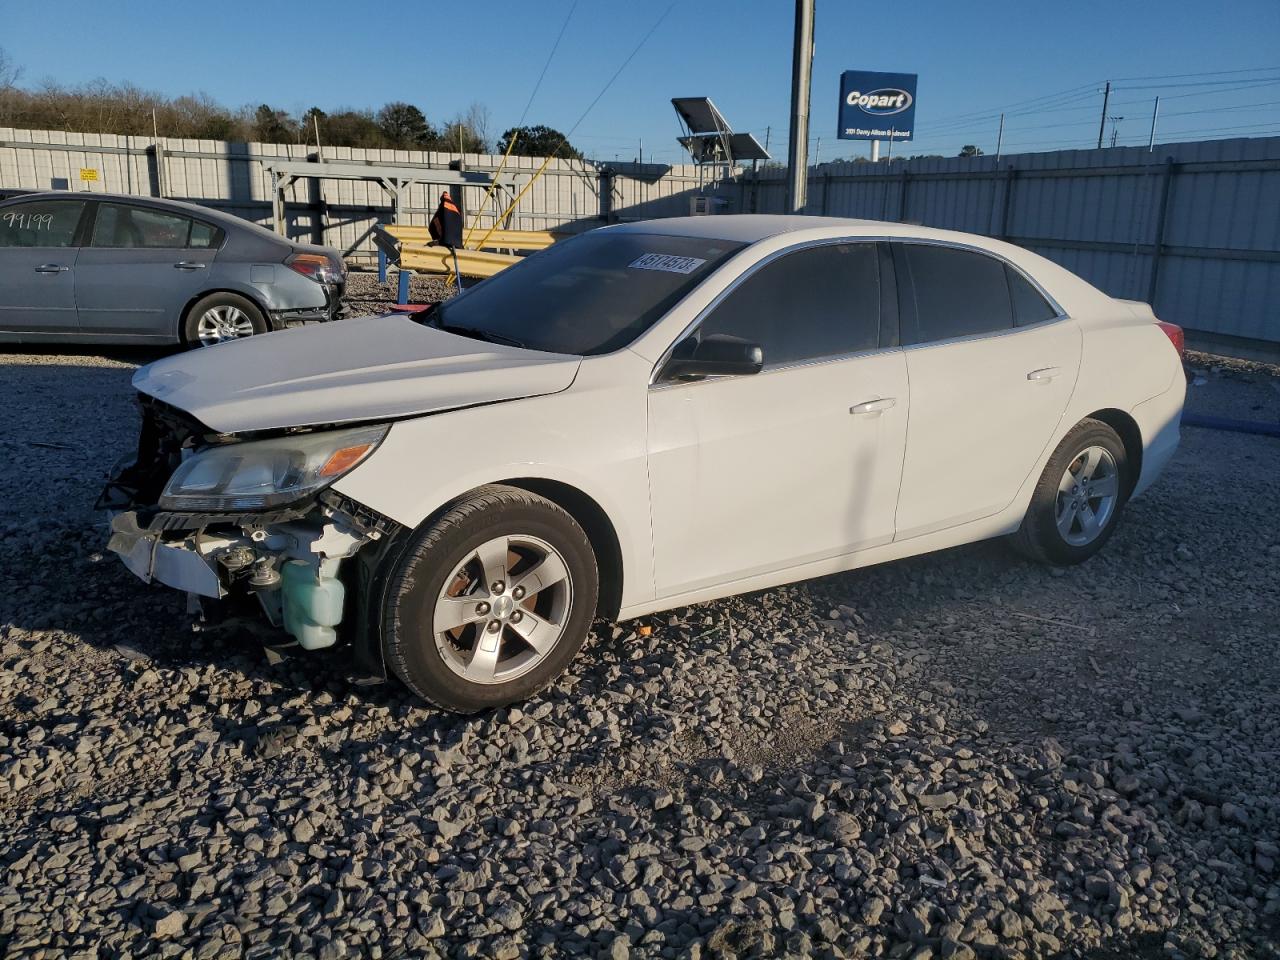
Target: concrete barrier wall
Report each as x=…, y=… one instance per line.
x=1193, y=228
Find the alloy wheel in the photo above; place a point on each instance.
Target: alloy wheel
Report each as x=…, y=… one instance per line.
x=503, y=609
x=1087, y=496
x=220, y=324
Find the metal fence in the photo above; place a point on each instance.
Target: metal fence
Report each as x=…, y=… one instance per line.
x=1193, y=228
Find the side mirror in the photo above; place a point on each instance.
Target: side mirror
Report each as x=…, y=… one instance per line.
x=716, y=355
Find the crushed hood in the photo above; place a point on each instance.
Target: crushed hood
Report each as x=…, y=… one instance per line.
x=369, y=368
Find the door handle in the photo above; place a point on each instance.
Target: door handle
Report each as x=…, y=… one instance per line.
x=873, y=408
x=1043, y=375
x=51, y=268
x=188, y=265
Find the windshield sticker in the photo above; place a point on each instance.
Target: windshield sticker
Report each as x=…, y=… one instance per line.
x=670, y=264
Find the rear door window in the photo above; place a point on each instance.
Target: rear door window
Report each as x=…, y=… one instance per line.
x=120, y=225
x=1028, y=305
x=40, y=223
x=957, y=293
x=814, y=303
x=204, y=236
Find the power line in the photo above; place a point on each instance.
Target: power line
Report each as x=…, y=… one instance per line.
x=1206, y=73
x=617, y=73
x=550, y=56
x=1201, y=83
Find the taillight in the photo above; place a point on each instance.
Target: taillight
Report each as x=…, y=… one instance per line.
x=1175, y=335
x=317, y=267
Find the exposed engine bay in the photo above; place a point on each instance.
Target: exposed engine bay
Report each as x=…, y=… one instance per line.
x=291, y=560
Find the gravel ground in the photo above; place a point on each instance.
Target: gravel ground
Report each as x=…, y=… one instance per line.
x=956, y=755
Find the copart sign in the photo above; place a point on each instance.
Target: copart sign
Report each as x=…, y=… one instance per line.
x=877, y=106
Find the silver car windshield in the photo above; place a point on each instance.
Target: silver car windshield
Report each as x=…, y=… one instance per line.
x=592, y=294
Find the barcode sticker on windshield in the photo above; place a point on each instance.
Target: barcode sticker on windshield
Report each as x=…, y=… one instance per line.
x=662, y=261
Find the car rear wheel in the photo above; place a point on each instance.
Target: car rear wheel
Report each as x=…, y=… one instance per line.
x=1078, y=500
x=220, y=317
x=490, y=601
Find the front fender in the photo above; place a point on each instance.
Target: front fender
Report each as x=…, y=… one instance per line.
x=591, y=437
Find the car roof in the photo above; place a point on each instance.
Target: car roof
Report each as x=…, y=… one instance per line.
x=1067, y=289
x=754, y=227
x=193, y=209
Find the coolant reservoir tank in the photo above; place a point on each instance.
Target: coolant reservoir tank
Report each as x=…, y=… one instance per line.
x=312, y=604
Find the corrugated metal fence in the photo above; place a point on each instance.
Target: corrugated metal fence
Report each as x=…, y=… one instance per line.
x=1192, y=227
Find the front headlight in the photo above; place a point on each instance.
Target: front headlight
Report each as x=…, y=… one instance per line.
x=261, y=474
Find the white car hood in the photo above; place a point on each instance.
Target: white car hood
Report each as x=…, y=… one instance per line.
x=370, y=368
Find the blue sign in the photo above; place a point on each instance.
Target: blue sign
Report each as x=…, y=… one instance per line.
x=877, y=106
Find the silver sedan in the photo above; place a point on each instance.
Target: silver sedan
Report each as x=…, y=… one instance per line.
x=105, y=268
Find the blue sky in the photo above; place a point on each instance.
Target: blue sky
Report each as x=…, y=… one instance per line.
x=973, y=60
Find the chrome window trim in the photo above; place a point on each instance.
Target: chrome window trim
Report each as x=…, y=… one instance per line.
x=738, y=280
x=832, y=241
x=1059, y=313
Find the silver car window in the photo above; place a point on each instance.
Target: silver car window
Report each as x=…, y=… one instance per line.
x=40, y=223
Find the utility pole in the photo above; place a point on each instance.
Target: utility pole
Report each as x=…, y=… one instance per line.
x=1115, y=128
x=1155, y=112
x=1106, y=101
x=641, y=150
x=1000, y=138
x=817, y=152
x=801, y=71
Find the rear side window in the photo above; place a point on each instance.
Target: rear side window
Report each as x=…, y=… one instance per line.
x=204, y=236
x=1028, y=305
x=118, y=225
x=958, y=293
x=820, y=302
x=41, y=223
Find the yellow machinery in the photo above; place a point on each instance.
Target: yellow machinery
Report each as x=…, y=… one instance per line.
x=409, y=247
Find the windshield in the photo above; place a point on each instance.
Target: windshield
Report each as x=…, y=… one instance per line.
x=594, y=293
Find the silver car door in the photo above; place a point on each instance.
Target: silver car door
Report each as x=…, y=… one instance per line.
x=37, y=265
x=140, y=269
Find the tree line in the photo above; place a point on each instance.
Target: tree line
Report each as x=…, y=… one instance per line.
x=100, y=106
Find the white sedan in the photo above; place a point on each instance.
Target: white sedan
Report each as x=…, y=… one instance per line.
x=646, y=416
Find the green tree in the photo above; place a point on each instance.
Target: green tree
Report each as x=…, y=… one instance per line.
x=538, y=141
x=969, y=150
x=352, y=128
x=272, y=126
x=405, y=126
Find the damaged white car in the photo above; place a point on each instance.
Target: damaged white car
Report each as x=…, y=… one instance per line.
x=643, y=417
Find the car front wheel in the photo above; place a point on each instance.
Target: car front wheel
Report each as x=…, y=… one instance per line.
x=1078, y=500
x=490, y=601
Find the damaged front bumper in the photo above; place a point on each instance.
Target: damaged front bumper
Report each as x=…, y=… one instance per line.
x=294, y=565
x=179, y=564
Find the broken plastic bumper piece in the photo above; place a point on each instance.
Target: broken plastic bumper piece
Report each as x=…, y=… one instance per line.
x=177, y=564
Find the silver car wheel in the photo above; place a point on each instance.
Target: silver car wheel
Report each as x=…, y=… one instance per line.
x=503, y=609
x=1087, y=496
x=219, y=324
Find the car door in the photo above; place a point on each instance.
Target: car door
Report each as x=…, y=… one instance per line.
x=986, y=391
x=141, y=267
x=38, y=251
x=801, y=461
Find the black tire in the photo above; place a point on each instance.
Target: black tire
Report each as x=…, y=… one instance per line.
x=436, y=550
x=1039, y=536
x=213, y=301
